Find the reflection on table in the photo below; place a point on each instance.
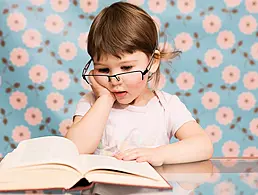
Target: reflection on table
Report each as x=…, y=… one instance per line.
x=219, y=176
x=225, y=176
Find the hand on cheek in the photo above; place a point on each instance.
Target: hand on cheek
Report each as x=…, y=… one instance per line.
x=98, y=89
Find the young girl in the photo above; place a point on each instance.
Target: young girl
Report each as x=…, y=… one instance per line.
x=123, y=116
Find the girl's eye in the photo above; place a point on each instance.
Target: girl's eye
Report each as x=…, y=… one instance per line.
x=103, y=70
x=126, y=68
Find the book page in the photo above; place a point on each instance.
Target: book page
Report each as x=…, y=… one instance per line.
x=43, y=150
x=96, y=162
x=43, y=176
x=102, y=176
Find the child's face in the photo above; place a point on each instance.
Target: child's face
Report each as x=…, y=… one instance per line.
x=130, y=86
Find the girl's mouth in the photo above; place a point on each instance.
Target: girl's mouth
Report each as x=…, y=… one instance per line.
x=120, y=94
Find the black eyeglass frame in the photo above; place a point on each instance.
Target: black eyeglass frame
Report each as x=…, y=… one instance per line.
x=115, y=75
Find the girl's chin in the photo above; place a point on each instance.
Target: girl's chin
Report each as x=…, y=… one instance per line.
x=123, y=102
x=126, y=101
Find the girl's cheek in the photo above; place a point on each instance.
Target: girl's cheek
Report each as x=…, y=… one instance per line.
x=138, y=85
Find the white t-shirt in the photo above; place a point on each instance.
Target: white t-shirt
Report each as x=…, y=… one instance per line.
x=151, y=125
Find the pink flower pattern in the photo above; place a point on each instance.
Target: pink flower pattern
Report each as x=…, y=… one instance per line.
x=185, y=81
x=38, y=2
x=213, y=58
x=225, y=188
x=60, y=5
x=18, y=100
x=21, y=133
x=67, y=50
x=226, y=39
x=64, y=126
x=54, y=24
x=157, y=6
x=224, y=115
x=214, y=132
x=16, y=22
x=210, y=100
x=231, y=149
x=136, y=2
x=82, y=41
x=19, y=57
x=251, y=6
x=232, y=3
x=60, y=80
x=89, y=6
x=183, y=41
x=231, y=74
x=251, y=80
x=250, y=179
x=254, y=51
x=250, y=152
x=211, y=24
x=33, y=116
x=186, y=6
x=253, y=126
x=32, y=38
x=38, y=74
x=55, y=101
x=247, y=24
x=229, y=162
x=246, y=101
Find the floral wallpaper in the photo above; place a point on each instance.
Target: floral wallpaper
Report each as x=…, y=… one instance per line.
x=43, y=51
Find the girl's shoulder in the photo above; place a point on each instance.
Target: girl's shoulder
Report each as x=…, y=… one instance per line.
x=167, y=98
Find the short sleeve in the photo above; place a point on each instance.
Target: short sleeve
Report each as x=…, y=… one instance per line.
x=178, y=114
x=84, y=104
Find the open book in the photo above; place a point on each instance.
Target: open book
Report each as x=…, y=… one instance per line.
x=53, y=162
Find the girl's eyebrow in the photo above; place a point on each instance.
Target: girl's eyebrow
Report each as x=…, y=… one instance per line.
x=126, y=61
x=122, y=62
x=97, y=63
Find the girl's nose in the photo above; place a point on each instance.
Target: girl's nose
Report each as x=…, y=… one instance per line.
x=115, y=79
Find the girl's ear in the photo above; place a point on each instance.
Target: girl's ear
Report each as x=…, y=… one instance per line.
x=155, y=62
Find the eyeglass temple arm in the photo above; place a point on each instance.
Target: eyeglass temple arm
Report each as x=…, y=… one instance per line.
x=86, y=67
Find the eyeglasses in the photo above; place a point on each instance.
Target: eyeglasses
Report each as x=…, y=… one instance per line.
x=131, y=77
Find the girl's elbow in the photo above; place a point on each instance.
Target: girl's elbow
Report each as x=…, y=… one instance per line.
x=210, y=149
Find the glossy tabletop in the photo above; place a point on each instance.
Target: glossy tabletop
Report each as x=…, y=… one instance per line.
x=220, y=176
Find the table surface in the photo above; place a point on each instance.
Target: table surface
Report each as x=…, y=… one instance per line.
x=220, y=176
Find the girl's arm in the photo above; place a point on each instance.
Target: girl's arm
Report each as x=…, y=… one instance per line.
x=194, y=145
x=87, y=132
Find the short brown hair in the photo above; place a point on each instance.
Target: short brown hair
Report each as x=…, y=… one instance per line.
x=125, y=28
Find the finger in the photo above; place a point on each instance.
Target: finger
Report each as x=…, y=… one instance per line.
x=119, y=155
x=128, y=152
x=142, y=159
x=131, y=156
x=91, y=78
x=93, y=81
x=116, y=157
x=116, y=154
